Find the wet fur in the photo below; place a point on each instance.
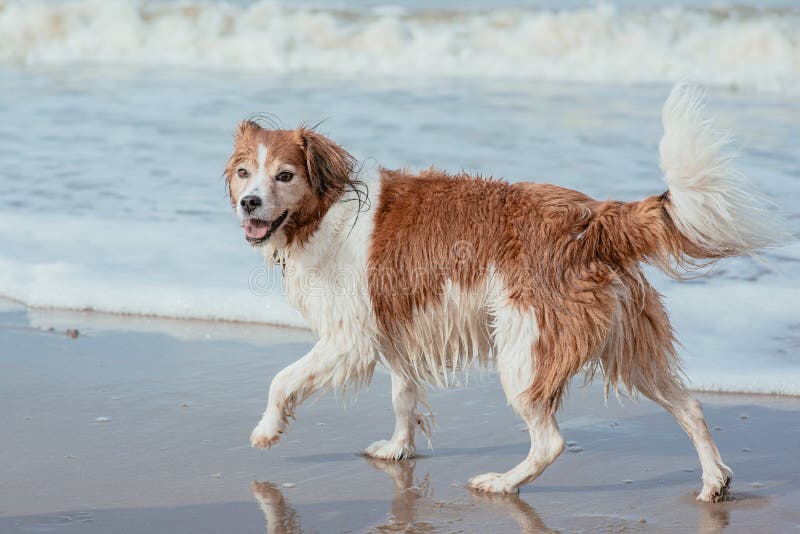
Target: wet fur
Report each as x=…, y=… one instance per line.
x=446, y=271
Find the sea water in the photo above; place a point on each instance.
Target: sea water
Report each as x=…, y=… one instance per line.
x=116, y=118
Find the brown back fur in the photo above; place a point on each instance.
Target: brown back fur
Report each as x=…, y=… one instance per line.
x=574, y=260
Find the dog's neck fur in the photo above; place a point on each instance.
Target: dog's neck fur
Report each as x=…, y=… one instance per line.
x=331, y=262
x=331, y=230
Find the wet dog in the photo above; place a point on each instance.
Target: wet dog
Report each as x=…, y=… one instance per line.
x=428, y=273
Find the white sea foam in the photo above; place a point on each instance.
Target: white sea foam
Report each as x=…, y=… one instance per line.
x=737, y=336
x=133, y=267
x=741, y=47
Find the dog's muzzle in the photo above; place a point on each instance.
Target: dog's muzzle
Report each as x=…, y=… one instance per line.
x=258, y=230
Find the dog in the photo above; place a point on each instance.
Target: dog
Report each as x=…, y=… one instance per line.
x=429, y=273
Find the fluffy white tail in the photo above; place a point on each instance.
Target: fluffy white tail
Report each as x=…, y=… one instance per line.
x=710, y=203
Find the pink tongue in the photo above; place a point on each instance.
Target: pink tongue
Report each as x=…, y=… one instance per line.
x=255, y=231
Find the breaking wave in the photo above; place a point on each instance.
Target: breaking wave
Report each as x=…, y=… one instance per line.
x=727, y=46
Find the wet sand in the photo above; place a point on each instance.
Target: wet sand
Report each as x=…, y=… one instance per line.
x=142, y=426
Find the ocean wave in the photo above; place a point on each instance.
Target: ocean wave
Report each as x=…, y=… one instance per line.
x=736, y=47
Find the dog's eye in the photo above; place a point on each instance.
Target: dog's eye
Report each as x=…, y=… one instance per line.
x=242, y=173
x=284, y=176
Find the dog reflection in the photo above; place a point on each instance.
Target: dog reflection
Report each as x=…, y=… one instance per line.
x=714, y=518
x=520, y=511
x=405, y=496
x=412, y=510
x=280, y=516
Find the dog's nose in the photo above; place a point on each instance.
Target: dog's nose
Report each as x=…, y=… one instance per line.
x=250, y=202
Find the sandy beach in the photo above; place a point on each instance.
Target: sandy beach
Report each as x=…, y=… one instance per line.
x=141, y=425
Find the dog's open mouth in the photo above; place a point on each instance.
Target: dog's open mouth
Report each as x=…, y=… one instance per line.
x=258, y=230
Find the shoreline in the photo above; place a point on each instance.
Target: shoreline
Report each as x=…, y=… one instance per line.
x=126, y=315
x=128, y=322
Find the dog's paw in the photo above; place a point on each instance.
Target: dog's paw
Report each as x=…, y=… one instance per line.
x=388, y=450
x=716, y=491
x=492, y=483
x=264, y=436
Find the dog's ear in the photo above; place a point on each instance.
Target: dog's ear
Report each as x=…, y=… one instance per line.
x=329, y=166
x=245, y=129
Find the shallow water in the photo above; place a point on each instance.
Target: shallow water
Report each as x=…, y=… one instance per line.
x=112, y=198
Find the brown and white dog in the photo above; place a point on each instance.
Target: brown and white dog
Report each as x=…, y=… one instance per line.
x=435, y=272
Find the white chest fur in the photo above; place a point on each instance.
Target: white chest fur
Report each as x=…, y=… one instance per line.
x=326, y=278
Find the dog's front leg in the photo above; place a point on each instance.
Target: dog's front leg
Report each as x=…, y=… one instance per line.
x=406, y=395
x=291, y=386
x=326, y=365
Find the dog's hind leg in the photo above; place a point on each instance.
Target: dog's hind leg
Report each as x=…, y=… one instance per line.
x=716, y=475
x=516, y=334
x=649, y=364
x=406, y=396
x=546, y=445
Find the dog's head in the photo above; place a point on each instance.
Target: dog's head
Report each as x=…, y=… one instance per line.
x=282, y=182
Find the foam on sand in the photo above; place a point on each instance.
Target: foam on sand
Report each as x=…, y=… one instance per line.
x=729, y=46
